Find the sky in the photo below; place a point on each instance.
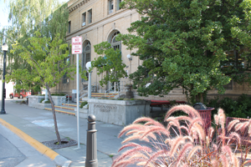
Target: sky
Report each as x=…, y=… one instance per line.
x=4, y=13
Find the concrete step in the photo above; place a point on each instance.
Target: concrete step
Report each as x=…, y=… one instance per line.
x=70, y=112
x=66, y=107
x=70, y=104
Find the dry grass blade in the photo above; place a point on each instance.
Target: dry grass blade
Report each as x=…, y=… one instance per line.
x=128, y=145
x=185, y=108
x=131, y=127
x=147, y=119
x=182, y=152
x=130, y=152
x=155, y=155
x=232, y=124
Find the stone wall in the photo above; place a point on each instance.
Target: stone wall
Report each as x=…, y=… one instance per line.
x=34, y=101
x=118, y=112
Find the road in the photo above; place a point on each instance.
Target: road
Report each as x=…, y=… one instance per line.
x=14, y=152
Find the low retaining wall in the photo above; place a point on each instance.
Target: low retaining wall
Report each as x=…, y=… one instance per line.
x=34, y=101
x=118, y=112
x=83, y=112
x=58, y=100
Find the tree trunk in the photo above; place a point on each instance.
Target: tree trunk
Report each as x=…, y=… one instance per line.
x=199, y=97
x=54, y=114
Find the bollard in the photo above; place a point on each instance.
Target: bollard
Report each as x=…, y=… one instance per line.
x=91, y=145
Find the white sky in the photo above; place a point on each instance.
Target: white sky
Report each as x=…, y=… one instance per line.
x=4, y=13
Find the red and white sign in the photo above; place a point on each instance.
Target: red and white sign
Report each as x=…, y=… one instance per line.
x=76, y=45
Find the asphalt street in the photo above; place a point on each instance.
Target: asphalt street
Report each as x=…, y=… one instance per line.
x=14, y=152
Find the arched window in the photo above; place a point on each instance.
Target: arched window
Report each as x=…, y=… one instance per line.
x=115, y=44
x=86, y=56
x=114, y=86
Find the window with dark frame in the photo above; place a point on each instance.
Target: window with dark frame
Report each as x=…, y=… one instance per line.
x=110, y=7
x=67, y=61
x=69, y=27
x=86, y=57
x=118, y=3
x=90, y=16
x=84, y=19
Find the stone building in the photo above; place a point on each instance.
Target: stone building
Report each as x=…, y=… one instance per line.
x=101, y=20
x=97, y=21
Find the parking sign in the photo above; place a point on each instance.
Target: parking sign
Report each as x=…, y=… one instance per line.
x=76, y=45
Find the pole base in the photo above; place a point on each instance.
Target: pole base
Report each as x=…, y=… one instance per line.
x=2, y=112
x=91, y=163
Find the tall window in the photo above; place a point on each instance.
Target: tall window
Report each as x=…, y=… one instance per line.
x=69, y=27
x=84, y=19
x=90, y=16
x=115, y=86
x=86, y=56
x=110, y=6
x=118, y=3
x=67, y=61
x=115, y=44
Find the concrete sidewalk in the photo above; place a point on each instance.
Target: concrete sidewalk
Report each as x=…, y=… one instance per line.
x=39, y=125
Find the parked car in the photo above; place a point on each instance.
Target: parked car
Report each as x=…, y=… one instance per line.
x=43, y=91
x=20, y=95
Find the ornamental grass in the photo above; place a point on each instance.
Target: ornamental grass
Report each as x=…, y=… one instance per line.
x=183, y=142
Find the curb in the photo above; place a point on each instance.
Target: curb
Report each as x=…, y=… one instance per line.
x=58, y=159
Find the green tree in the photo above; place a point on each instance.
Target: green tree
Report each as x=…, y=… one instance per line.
x=47, y=58
x=28, y=16
x=111, y=64
x=189, y=44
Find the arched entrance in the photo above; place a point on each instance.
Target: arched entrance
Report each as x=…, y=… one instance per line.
x=114, y=86
x=86, y=56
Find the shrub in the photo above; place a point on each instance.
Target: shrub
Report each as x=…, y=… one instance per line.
x=48, y=101
x=58, y=94
x=182, y=145
x=240, y=108
x=83, y=104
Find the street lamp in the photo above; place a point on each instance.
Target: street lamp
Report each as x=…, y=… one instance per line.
x=4, y=49
x=88, y=66
x=129, y=57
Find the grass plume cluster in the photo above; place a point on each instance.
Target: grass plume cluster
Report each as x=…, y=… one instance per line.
x=183, y=142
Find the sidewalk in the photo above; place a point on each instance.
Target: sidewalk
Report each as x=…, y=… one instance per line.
x=39, y=125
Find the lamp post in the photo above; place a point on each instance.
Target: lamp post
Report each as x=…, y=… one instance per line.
x=88, y=66
x=130, y=59
x=4, y=49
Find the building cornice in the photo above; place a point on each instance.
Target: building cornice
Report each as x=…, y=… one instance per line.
x=77, y=5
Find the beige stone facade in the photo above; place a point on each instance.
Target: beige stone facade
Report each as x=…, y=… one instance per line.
x=96, y=21
x=100, y=20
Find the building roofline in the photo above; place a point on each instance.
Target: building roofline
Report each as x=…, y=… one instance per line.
x=76, y=5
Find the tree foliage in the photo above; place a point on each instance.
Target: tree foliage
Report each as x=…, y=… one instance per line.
x=111, y=64
x=198, y=45
x=49, y=17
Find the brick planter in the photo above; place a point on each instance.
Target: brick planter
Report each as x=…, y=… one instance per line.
x=206, y=117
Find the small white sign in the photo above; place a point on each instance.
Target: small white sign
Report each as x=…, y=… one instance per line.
x=74, y=91
x=76, y=45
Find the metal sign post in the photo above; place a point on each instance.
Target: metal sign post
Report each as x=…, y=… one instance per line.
x=77, y=49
